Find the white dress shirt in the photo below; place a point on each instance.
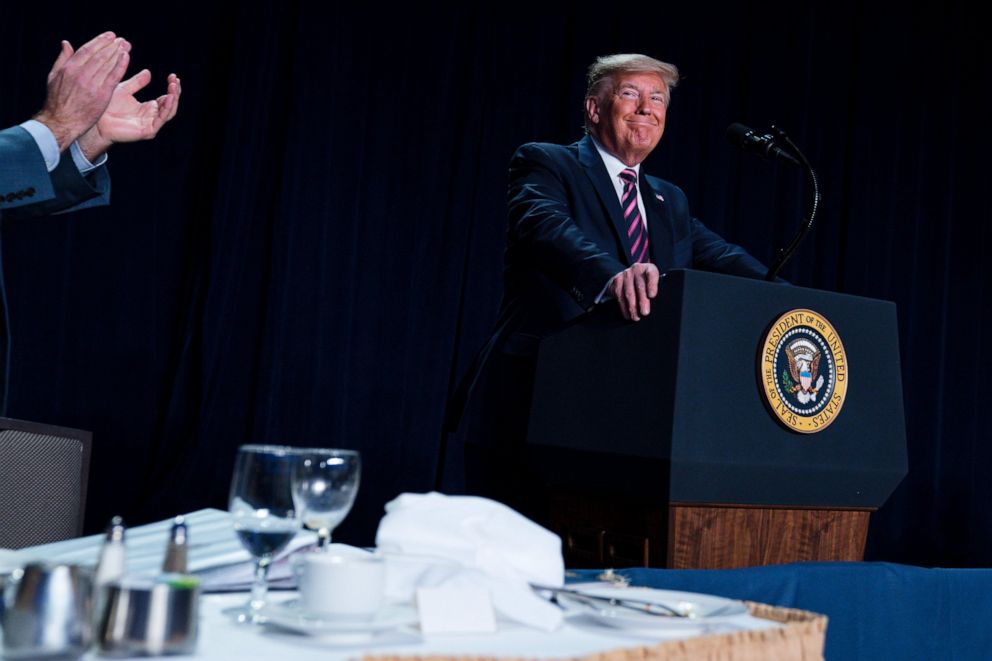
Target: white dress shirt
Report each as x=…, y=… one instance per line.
x=49, y=148
x=615, y=166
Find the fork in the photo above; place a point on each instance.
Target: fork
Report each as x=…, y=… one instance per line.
x=639, y=605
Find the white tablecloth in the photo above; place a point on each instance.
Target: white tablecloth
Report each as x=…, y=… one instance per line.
x=220, y=638
x=213, y=543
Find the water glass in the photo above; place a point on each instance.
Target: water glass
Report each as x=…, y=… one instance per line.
x=264, y=516
x=325, y=483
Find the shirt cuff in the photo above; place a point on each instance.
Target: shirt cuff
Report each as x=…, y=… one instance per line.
x=45, y=140
x=605, y=295
x=82, y=163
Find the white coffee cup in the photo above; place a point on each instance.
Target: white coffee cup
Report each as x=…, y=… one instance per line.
x=347, y=586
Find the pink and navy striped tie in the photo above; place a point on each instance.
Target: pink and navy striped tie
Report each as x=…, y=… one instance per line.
x=632, y=216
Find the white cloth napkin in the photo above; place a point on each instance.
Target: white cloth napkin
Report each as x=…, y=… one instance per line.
x=433, y=540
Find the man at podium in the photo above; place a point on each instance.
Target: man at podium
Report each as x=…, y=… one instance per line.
x=588, y=226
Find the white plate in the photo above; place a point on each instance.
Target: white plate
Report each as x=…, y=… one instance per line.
x=701, y=609
x=292, y=615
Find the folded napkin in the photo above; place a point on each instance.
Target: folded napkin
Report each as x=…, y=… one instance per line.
x=434, y=540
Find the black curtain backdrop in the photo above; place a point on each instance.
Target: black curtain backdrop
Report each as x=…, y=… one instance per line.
x=311, y=252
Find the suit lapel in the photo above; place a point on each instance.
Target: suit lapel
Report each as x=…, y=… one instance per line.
x=596, y=171
x=659, y=225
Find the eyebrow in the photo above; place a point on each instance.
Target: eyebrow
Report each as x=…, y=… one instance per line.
x=653, y=90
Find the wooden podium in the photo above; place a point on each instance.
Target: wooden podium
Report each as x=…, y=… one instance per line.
x=660, y=449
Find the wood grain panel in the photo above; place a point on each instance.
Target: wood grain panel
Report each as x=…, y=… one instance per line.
x=719, y=537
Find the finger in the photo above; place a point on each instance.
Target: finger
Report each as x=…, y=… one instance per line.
x=160, y=115
x=614, y=286
x=112, y=71
x=174, y=92
x=137, y=82
x=640, y=286
x=167, y=106
x=168, y=103
x=630, y=296
x=624, y=310
x=653, y=281
x=99, y=40
x=65, y=52
x=101, y=55
x=97, y=48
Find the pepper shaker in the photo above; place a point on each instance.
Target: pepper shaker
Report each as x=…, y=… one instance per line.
x=175, y=552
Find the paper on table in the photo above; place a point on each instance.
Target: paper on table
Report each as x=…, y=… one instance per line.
x=10, y=560
x=215, y=554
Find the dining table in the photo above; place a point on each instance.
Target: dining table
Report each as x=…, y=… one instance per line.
x=223, y=568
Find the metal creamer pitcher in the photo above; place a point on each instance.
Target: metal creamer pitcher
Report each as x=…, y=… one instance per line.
x=47, y=611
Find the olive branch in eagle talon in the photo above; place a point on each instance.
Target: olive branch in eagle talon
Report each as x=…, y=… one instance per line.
x=787, y=383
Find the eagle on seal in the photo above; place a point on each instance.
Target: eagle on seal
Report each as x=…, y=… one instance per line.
x=804, y=367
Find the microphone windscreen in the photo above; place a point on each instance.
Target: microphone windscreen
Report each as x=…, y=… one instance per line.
x=737, y=134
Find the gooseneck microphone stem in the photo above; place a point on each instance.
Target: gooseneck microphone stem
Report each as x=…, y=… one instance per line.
x=785, y=253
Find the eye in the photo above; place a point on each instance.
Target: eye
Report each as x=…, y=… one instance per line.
x=630, y=95
x=658, y=98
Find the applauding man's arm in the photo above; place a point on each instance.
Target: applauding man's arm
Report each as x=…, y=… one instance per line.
x=81, y=85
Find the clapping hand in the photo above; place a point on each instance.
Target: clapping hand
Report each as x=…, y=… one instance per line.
x=81, y=84
x=128, y=120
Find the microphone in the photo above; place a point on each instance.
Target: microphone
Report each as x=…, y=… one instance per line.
x=763, y=145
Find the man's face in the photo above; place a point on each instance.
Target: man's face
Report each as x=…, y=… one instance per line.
x=629, y=121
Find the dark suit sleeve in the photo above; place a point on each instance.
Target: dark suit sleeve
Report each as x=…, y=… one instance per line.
x=24, y=178
x=543, y=232
x=698, y=246
x=28, y=189
x=712, y=253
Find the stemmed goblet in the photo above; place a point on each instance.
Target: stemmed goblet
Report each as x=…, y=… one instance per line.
x=264, y=515
x=325, y=482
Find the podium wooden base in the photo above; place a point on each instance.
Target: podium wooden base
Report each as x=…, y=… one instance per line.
x=602, y=532
x=722, y=537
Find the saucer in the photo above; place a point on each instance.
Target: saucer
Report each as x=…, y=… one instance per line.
x=292, y=615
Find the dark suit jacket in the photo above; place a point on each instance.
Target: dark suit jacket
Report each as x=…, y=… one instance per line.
x=28, y=189
x=567, y=238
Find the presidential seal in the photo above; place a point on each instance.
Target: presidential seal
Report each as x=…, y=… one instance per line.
x=802, y=369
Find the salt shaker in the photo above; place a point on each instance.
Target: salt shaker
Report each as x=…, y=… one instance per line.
x=111, y=564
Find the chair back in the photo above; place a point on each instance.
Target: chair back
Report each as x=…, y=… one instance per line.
x=43, y=475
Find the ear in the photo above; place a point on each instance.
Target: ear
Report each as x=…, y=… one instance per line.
x=592, y=110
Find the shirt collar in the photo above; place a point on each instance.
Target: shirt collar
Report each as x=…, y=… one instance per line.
x=613, y=164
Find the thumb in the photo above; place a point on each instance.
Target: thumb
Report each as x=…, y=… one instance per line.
x=137, y=82
x=64, y=54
